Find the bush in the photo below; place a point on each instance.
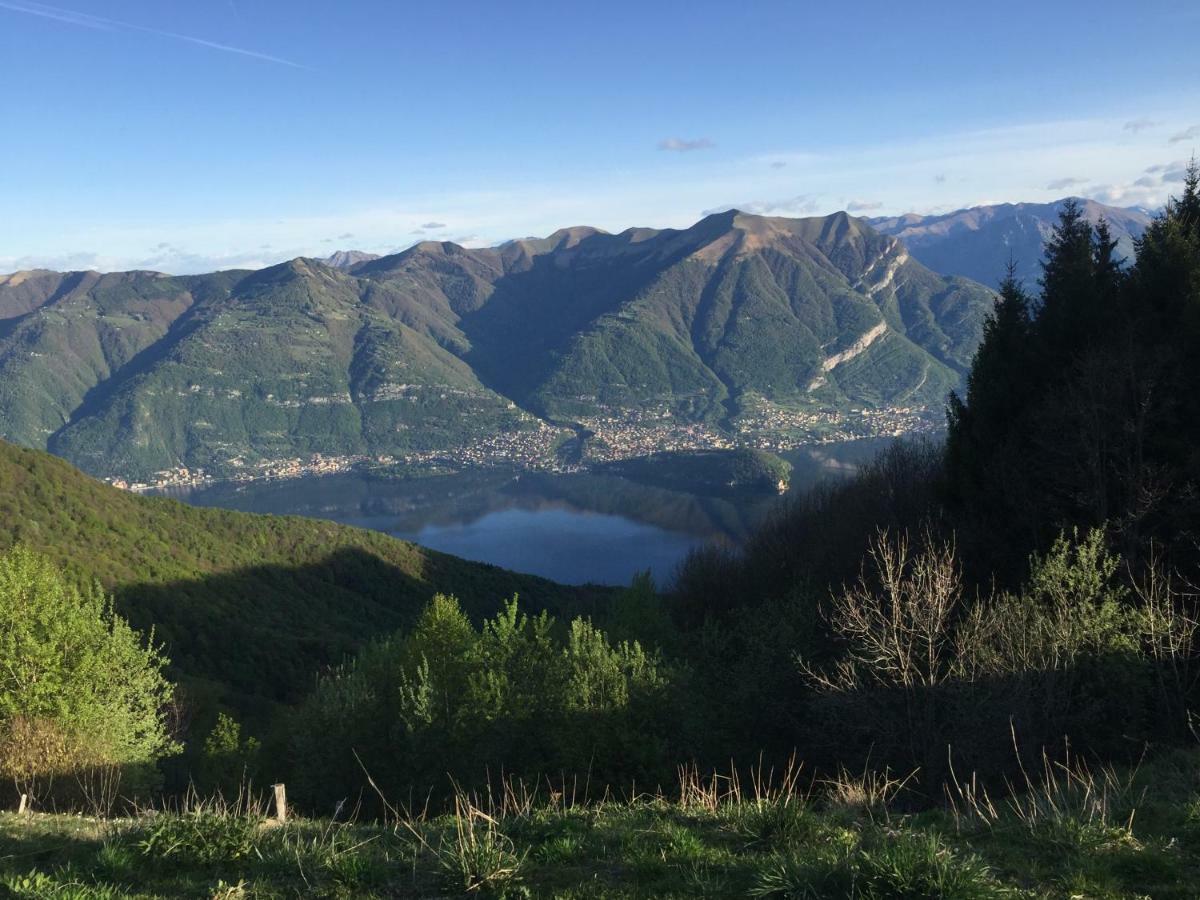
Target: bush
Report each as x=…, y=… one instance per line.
x=229, y=762
x=520, y=695
x=922, y=667
x=80, y=690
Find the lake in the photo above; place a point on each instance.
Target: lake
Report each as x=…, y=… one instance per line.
x=575, y=528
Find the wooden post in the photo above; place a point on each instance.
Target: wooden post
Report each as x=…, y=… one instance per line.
x=23, y=805
x=280, y=803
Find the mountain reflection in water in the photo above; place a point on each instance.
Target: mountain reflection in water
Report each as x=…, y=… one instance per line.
x=575, y=528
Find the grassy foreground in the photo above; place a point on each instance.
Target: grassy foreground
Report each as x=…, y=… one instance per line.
x=1070, y=833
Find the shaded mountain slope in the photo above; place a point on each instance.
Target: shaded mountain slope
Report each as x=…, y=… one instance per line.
x=689, y=320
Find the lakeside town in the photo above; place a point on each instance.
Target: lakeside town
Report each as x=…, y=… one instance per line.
x=544, y=447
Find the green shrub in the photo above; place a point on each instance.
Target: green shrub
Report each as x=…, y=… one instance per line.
x=80, y=689
x=229, y=762
x=63, y=884
x=518, y=696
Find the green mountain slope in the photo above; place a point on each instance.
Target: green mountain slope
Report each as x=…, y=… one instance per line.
x=83, y=329
x=254, y=604
x=156, y=372
x=442, y=346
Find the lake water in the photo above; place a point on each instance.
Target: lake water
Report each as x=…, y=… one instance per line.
x=574, y=528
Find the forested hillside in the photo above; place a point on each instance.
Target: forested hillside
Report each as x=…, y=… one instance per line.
x=252, y=604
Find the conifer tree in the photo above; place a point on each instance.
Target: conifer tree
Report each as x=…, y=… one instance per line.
x=1084, y=409
x=982, y=445
x=1067, y=282
x=995, y=386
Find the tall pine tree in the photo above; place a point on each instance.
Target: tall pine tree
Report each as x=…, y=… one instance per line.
x=1083, y=408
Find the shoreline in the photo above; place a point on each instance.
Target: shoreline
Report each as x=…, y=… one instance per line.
x=320, y=465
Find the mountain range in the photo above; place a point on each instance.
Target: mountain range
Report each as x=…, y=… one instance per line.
x=736, y=324
x=978, y=243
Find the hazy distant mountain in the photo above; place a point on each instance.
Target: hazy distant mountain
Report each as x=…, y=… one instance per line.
x=344, y=259
x=133, y=372
x=978, y=242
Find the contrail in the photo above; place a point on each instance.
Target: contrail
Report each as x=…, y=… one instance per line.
x=59, y=15
x=86, y=20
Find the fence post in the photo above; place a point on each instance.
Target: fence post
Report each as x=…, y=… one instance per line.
x=23, y=805
x=280, y=803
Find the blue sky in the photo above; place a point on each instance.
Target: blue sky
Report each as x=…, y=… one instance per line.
x=187, y=136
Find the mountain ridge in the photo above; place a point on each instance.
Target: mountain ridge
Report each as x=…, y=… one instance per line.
x=703, y=331
x=977, y=242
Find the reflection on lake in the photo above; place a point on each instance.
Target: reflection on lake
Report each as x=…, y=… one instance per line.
x=576, y=528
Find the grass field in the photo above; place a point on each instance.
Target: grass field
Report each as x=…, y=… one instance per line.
x=1070, y=832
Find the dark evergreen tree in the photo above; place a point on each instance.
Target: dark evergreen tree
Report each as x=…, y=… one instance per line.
x=1084, y=409
x=983, y=447
x=1067, y=277
x=1165, y=290
x=998, y=379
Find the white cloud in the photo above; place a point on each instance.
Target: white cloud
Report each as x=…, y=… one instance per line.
x=864, y=205
x=1063, y=184
x=801, y=205
x=1138, y=125
x=680, y=145
x=1188, y=134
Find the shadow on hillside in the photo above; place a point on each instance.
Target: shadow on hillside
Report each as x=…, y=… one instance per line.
x=536, y=309
x=263, y=632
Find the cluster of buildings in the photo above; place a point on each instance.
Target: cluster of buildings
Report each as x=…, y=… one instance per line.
x=632, y=433
x=618, y=435
x=772, y=427
x=265, y=470
x=533, y=448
